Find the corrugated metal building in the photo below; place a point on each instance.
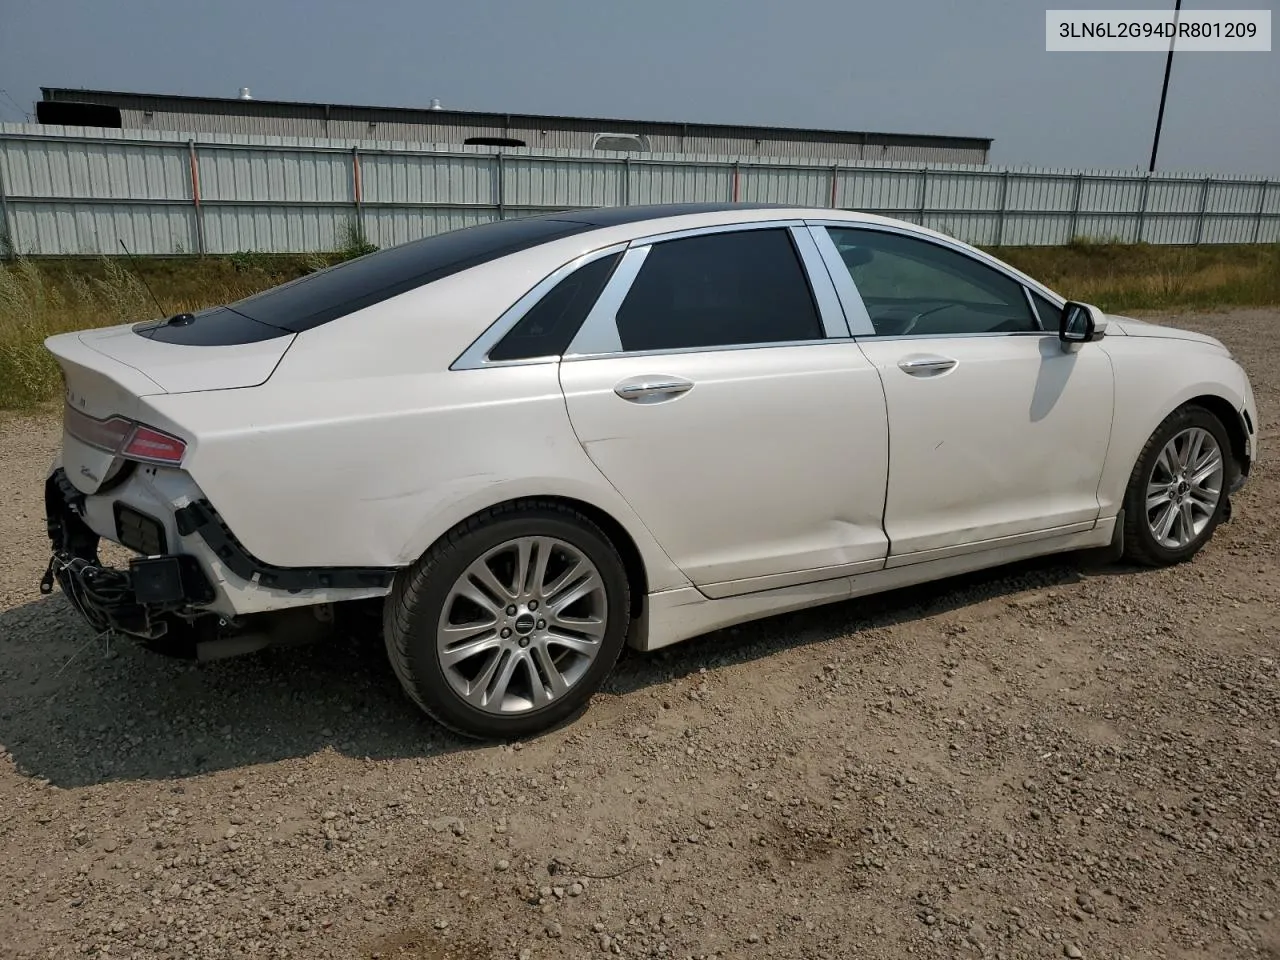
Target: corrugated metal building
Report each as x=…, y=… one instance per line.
x=146, y=111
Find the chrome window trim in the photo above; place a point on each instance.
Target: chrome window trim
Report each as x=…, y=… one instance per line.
x=476, y=356
x=1026, y=283
x=826, y=301
x=722, y=348
x=652, y=238
x=855, y=311
x=598, y=335
x=954, y=336
x=954, y=245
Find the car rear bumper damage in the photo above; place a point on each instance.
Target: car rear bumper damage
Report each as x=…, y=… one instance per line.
x=158, y=599
x=214, y=600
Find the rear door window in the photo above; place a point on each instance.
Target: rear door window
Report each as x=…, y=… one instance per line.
x=719, y=290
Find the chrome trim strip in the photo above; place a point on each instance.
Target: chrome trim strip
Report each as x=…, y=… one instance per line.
x=476, y=355
x=598, y=334
x=670, y=352
x=855, y=311
x=653, y=238
x=830, y=310
x=954, y=336
x=995, y=543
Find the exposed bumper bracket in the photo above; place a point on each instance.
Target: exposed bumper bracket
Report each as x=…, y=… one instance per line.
x=202, y=519
x=154, y=598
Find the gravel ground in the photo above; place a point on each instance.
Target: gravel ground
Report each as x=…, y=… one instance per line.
x=1049, y=760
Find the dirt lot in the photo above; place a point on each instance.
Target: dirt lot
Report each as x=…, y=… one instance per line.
x=1044, y=761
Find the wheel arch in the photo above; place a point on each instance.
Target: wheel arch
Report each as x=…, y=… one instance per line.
x=1143, y=402
x=1232, y=421
x=623, y=542
x=637, y=562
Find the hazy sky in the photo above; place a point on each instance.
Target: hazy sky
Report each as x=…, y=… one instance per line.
x=976, y=67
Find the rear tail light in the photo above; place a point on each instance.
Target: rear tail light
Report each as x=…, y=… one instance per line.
x=153, y=446
x=125, y=438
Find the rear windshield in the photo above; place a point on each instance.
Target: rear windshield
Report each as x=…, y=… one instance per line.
x=346, y=287
x=336, y=291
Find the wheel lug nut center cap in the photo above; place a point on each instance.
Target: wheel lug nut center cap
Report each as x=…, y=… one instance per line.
x=524, y=626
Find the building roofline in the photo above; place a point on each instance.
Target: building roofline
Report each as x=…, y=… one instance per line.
x=56, y=93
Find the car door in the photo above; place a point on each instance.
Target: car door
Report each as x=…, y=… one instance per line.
x=997, y=432
x=732, y=411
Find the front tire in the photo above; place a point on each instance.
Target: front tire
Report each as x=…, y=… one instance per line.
x=509, y=623
x=1177, y=494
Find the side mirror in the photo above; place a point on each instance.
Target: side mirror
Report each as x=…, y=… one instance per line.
x=1081, y=323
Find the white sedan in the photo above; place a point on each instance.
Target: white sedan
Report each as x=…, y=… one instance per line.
x=528, y=443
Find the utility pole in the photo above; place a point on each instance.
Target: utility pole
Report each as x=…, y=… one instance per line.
x=1164, y=91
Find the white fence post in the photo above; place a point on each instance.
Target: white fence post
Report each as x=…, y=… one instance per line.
x=1075, y=207
x=1142, y=208
x=1004, y=198
x=500, y=174
x=1262, y=206
x=1204, y=202
x=6, y=222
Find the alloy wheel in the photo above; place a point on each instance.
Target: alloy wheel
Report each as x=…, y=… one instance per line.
x=1184, y=488
x=522, y=625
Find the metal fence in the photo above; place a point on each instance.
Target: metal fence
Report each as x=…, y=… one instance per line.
x=72, y=191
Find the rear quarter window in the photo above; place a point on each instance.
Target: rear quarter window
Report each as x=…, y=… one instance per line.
x=550, y=324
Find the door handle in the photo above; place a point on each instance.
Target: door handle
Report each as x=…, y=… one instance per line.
x=652, y=389
x=927, y=366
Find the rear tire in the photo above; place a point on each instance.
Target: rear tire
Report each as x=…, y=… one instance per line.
x=1177, y=493
x=511, y=621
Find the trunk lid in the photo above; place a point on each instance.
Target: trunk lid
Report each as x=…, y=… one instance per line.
x=189, y=367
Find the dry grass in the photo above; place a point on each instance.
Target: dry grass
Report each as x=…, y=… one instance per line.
x=1137, y=277
x=41, y=299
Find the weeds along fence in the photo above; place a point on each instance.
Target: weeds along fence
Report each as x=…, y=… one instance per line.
x=68, y=191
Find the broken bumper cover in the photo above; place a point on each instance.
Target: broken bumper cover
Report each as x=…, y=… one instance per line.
x=156, y=597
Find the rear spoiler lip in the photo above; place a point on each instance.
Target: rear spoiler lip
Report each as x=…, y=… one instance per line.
x=165, y=368
x=71, y=348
